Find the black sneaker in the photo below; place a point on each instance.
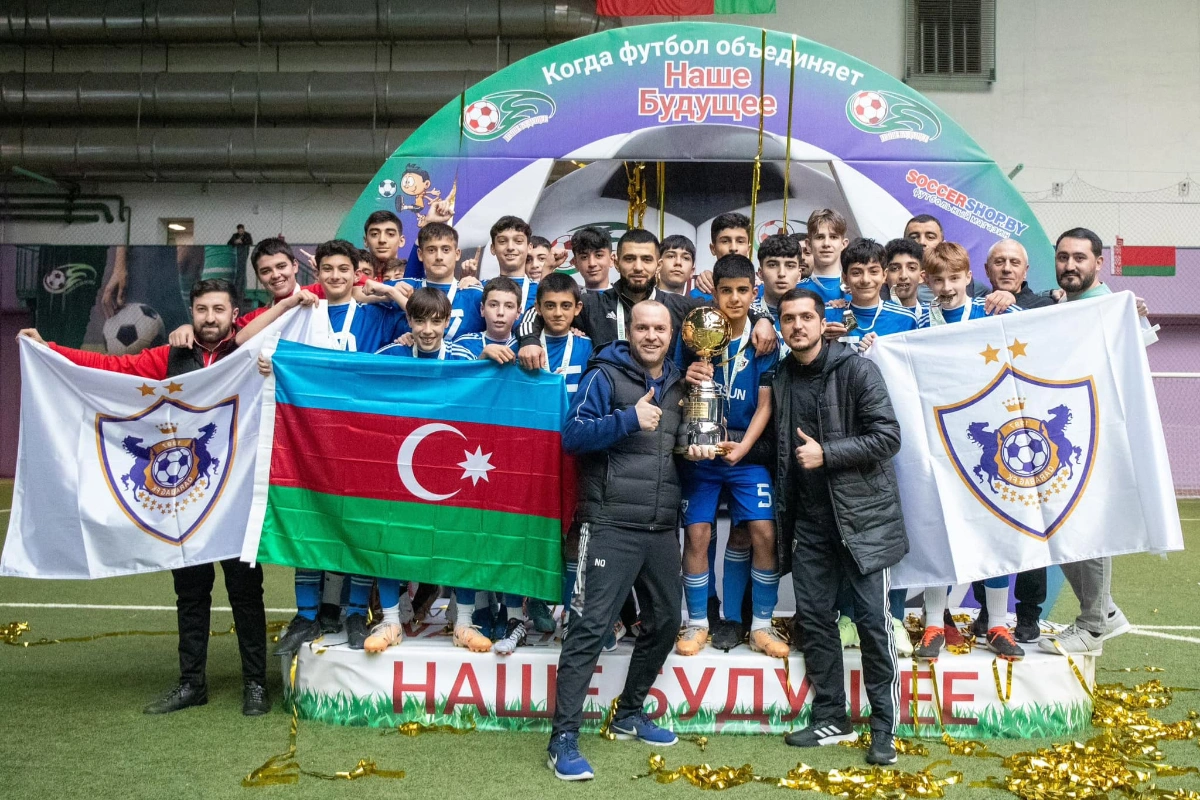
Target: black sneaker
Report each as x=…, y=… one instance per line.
x=820, y=734
x=1001, y=642
x=1027, y=631
x=330, y=617
x=979, y=627
x=714, y=613
x=728, y=635
x=356, y=631
x=883, y=749
x=797, y=635
x=254, y=699
x=299, y=631
x=185, y=695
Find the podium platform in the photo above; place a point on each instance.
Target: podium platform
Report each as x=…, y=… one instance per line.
x=427, y=679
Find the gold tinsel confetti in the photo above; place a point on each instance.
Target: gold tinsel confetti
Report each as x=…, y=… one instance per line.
x=419, y=728
x=12, y=632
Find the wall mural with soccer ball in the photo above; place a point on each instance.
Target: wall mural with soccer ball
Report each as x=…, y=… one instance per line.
x=691, y=97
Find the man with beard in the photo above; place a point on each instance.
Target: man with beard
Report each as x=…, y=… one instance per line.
x=213, y=312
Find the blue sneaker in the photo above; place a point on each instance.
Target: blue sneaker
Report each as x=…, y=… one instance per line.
x=566, y=760
x=638, y=726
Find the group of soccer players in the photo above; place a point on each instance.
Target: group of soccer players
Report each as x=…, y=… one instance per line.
x=420, y=309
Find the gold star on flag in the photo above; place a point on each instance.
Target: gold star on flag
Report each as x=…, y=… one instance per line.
x=174, y=387
x=990, y=354
x=1018, y=347
x=146, y=389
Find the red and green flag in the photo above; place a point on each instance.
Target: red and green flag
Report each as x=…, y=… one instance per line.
x=682, y=8
x=1141, y=261
x=439, y=472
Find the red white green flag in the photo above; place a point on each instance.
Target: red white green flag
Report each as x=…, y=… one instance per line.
x=1141, y=261
x=439, y=472
x=682, y=8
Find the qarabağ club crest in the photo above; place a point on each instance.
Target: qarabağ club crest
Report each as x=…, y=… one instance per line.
x=1025, y=447
x=167, y=465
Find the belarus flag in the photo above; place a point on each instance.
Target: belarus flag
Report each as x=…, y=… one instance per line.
x=433, y=471
x=682, y=8
x=1142, y=261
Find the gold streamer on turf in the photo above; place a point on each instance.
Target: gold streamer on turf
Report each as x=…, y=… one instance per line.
x=855, y=783
x=418, y=728
x=284, y=768
x=12, y=632
x=605, y=733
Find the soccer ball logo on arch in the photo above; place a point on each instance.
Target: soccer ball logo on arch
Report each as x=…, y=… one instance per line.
x=892, y=116
x=167, y=464
x=503, y=115
x=1025, y=447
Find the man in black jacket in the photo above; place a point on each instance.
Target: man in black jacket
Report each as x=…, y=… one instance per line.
x=606, y=314
x=838, y=517
x=622, y=425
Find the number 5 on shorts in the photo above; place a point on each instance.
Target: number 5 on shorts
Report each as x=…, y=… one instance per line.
x=764, y=493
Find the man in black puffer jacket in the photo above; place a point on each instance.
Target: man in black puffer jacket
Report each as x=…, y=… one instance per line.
x=838, y=516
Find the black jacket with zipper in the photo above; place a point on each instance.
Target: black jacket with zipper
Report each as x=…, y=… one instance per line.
x=858, y=431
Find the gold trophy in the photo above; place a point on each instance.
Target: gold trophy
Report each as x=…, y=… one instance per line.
x=706, y=332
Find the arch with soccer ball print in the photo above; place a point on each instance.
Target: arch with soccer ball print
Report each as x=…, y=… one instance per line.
x=687, y=94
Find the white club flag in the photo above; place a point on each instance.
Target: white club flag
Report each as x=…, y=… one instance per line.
x=118, y=474
x=1028, y=439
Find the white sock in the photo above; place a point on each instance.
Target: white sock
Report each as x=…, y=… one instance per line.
x=997, y=606
x=463, y=617
x=935, y=606
x=392, y=614
x=332, y=592
x=517, y=614
x=757, y=624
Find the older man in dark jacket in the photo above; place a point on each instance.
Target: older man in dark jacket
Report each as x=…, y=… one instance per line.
x=838, y=514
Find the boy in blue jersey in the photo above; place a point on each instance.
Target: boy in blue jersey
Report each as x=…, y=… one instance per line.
x=501, y=299
x=863, y=273
x=728, y=233
x=948, y=273
x=383, y=235
x=437, y=249
x=742, y=471
x=826, y=240
x=905, y=275
x=428, y=312
x=676, y=263
x=780, y=268
x=540, y=261
x=510, y=245
x=592, y=257
x=354, y=327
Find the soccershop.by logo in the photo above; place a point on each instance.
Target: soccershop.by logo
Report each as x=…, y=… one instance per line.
x=892, y=116
x=505, y=114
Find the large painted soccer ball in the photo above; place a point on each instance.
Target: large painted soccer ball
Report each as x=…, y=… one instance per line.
x=481, y=117
x=772, y=227
x=387, y=188
x=172, y=466
x=869, y=108
x=132, y=329
x=1026, y=453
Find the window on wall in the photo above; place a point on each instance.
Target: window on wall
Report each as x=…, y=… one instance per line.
x=179, y=230
x=950, y=43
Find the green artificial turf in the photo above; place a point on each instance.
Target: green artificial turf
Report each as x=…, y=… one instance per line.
x=71, y=722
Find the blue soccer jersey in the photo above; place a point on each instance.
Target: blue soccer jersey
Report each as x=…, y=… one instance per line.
x=829, y=287
x=364, y=327
x=528, y=292
x=466, y=306
x=568, y=356
x=475, y=342
x=449, y=351
x=973, y=309
x=740, y=377
x=882, y=319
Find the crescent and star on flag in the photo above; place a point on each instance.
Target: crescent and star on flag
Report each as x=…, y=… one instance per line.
x=476, y=466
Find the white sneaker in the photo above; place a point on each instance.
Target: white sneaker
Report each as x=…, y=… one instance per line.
x=1116, y=624
x=904, y=646
x=1073, y=641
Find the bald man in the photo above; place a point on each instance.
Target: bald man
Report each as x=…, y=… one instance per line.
x=622, y=427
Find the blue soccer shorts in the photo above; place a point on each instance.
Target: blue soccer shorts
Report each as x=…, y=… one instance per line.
x=747, y=486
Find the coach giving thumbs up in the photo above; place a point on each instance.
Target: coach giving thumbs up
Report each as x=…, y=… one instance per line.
x=648, y=414
x=629, y=496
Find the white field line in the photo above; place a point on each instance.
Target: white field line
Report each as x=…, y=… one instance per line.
x=1168, y=627
x=1171, y=636
x=99, y=607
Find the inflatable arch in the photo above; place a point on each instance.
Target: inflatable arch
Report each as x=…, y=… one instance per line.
x=687, y=96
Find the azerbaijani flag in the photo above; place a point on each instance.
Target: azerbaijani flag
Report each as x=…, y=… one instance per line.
x=433, y=471
x=1141, y=261
x=682, y=8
